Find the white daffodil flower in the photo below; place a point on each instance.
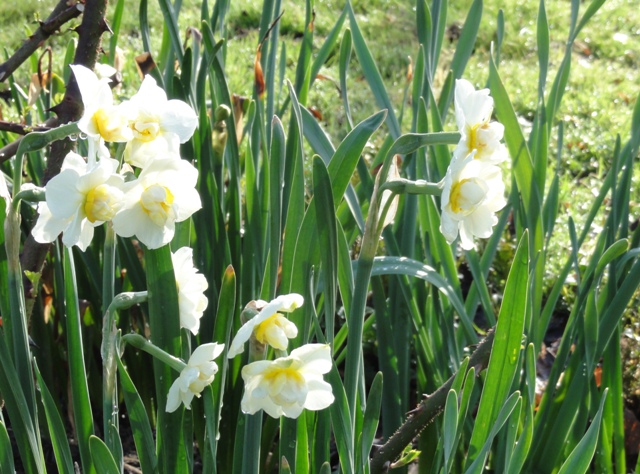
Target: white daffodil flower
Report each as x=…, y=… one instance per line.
x=101, y=119
x=199, y=372
x=158, y=124
x=287, y=385
x=473, y=115
x=191, y=287
x=473, y=192
x=163, y=194
x=78, y=199
x=269, y=326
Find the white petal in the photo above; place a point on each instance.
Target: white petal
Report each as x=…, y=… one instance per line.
x=63, y=198
x=173, y=397
x=244, y=333
x=316, y=358
x=205, y=353
x=126, y=222
x=448, y=227
x=48, y=228
x=179, y=118
x=320, y=395
x=289, y=302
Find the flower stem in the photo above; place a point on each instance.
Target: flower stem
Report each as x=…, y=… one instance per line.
x=136, y=340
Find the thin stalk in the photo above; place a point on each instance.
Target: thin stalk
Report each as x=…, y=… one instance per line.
x=253, y=425
x=136, y=340
x=109, y=334
x=353, y=367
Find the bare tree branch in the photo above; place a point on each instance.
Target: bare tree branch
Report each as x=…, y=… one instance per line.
x=21, y=129
x=426, y=412
x=69, y=110
x=61, y=14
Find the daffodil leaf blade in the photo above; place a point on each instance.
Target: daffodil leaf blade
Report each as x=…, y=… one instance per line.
x=164, y=322
x=327, y=47
x=518, y=150
x=372, y=74
x=450, y=425
x=391, y=265
x=171, y=23
x=115, y=28
x=580, y=458
x=340, y=420
x=6, y=454
x=513, y=404
x=102, y=457
x=464, y=50
x=371, y=418
x=505, y=354
x=77, y=369
x=542, y=33
x=328, y=234
x=56, y=427
x=140, y=426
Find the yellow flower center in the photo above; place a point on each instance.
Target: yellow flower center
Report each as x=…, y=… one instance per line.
x=100, y=204
x=261, y=329
x=145, y=131
x=286, y=385
x=474, y=142
x=466, y=195
x=157, y=202
x=108, y=125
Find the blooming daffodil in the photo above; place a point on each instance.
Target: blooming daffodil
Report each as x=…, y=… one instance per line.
x=473, y=115
x=269, y=326
x=287, y=385
x=199, y=372
x=473, y=192
x=101, y=119
x=163, y=194
x=191, y=287
x=78, y=199
x=157, y=124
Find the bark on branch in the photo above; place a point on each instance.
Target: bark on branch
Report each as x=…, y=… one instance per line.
x=426, y=412
x=60, y=15
x=20, y=128
x=90, y=32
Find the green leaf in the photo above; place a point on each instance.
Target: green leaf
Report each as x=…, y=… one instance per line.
x=503, y=362
x=580, y=458
x=171, y=23
x=543, y=47
x=102, y=458
x=450, y=427
x=6, y=455
x=276, y=183
x=593, y=7
x=370, y=420
x=77, y=370
x=340, y=420
x=406, y=266
x=509, y=405
x=115, y=27
x=140, y=426
x=222, y=332
x=464, y=50
x=22, y=423
x=164, y=322
x=57, y=432
x=326, y=220
x=372, y=74
x=522, y=164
